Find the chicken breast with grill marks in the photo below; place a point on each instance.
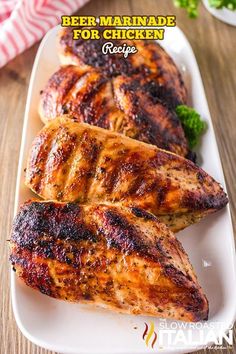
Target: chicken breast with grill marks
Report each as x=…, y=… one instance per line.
x=71, y=162
x=135, y=96
x=151, y=61
x=123, y=259
x=127, y=105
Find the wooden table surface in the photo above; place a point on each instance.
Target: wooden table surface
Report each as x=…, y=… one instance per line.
x=214, y=44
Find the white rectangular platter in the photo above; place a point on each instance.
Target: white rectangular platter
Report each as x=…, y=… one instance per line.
x=79, y=329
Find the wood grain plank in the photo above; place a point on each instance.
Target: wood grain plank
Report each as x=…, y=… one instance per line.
x=214, y=45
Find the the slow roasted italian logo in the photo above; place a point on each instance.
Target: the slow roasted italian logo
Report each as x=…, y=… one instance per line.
x=149, y=335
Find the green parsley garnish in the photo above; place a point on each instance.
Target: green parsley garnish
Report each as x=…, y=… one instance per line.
x=191, y=6
x=219, y=4
x=192, y=123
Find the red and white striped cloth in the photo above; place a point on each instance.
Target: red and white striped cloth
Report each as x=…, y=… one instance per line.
x=24, y=22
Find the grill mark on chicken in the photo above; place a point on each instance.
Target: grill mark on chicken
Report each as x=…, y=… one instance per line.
x=151, y=60
x=121, y=104
x=138, y=187
x=158, y=123
x=79, y=105
x=62, y=149
x=105, y=115
x=90, y=151
x=41, y=148
x=140, y=213
x=105, y=255
x=62, y=223
x=98, y=102
x=73, y=106
x=124, y=165
x=73, y=147
x=124, y=236
x=109, y=167
x=86, y=109
x=150, y=78
x=62, y=82
x=156, y=92
x=89, y=54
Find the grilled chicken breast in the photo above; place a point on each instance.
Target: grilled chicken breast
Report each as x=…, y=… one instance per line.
x=123, y=259
x=127, y=105
x=151, y=61
x=71, y=162
x=136, y=96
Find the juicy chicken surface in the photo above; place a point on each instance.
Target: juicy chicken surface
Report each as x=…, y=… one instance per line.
x=151, y=61
x=72, y=162
x=127, y=105
x=123, y=259
x=135, y=96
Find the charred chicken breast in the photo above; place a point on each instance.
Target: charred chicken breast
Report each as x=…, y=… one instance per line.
x=135, y=96
x=123, y=259
x=72, y=162
x=127, y=105
x=151, y=61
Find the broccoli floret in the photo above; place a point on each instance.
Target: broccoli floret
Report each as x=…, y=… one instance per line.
x=192, y=124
